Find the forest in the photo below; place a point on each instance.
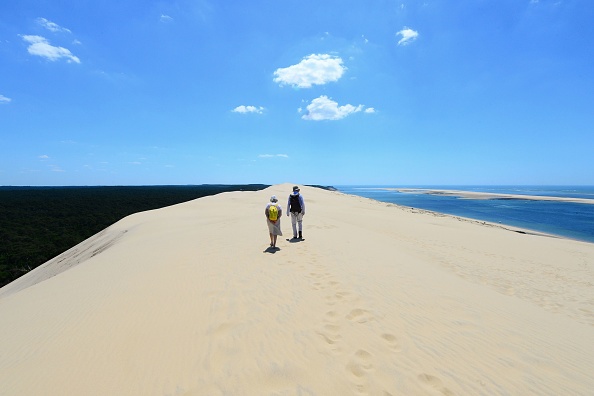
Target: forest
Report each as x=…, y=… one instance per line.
x=39, y=223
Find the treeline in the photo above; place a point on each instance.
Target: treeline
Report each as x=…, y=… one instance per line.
x=39, y=223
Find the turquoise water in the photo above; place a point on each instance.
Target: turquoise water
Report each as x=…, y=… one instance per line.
x=566, y=219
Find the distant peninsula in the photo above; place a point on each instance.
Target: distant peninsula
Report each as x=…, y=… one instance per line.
x=482, y=195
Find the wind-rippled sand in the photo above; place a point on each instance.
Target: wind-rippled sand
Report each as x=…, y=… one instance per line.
x=377, y=300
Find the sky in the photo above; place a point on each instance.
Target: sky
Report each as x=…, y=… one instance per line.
x=176, y=92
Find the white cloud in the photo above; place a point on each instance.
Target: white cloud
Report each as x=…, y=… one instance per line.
x=166, y=18
x=408, y=36
x=51, y=26
x=40, y=46
x=370, y=110
x=248, y=109
x=273, y=156
x=323, y=108
x=4, y=99
x=315, y=69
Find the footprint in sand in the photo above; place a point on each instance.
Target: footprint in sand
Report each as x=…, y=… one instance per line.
x=360, y=364
x=434, y=383
x=336, y=297
x=392, y=341
x=360, y=316
x=331, y=330
x=342, y=294
x=330, y=339
x=364, y=359
x=332, y=315
x=355, y=369
x=319, y=275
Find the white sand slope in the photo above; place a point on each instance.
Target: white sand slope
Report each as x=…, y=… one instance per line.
x=378, y=300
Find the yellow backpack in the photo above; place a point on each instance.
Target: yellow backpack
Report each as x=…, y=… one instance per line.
x=273, y=213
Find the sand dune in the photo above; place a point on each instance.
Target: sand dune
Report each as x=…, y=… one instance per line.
x=377, y=300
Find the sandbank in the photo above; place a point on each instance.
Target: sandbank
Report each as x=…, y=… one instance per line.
x=482, y=195
x=377, y=300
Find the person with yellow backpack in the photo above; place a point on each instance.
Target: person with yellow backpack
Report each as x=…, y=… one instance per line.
x=273, y=214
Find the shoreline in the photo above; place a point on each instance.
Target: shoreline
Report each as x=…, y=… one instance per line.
x=522, y=226
x=488, y=196
x=485, y=223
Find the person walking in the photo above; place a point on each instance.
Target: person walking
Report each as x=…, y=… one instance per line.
x=296, y=208
x=273, y=214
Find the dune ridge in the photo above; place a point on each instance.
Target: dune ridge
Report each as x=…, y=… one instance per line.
x=377, y=300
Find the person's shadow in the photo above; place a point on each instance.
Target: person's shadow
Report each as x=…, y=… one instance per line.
x=271, y=250
x=295, y=240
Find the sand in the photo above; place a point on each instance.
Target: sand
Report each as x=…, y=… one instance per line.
x=483, y=195
x=377, y=300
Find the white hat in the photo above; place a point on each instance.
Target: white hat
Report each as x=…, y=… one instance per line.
x=273, y=199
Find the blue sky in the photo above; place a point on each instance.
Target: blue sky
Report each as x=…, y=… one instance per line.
x=352, y=92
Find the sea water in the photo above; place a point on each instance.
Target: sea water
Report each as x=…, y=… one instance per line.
x=566, y=219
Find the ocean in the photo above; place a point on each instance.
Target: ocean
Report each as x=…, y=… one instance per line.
x=565, y=219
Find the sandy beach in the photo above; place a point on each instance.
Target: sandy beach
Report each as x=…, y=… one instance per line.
x=376, y=300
